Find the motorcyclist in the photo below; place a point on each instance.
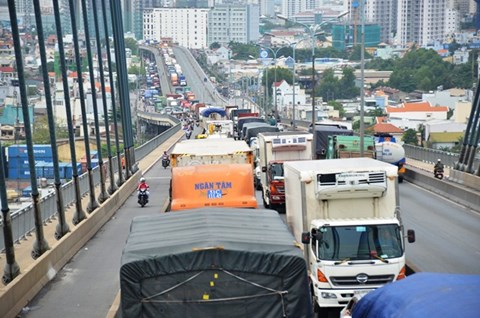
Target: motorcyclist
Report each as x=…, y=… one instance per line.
x=438, y=166
x=165, y=156
x=143, y=186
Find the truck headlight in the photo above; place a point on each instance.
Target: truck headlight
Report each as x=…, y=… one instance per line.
x=328, y=295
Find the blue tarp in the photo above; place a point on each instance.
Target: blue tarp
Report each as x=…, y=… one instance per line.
x=423, y=295
x=213, y=110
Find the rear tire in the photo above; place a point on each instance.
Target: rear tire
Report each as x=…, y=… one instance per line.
x=265, y=205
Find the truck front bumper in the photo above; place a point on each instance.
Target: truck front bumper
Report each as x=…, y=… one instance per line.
x=337, y=297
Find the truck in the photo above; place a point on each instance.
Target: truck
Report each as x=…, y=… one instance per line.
x=341, y=146
x=174, y=78
x=420, y=295
x=274, y=150
x=389, y=150
x=322, y=131
x=220, y=185
x=213, y=262
x=346, y=212
x=210, y=151
x=182, y=80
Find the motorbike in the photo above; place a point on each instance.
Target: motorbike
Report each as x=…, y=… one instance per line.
x=142, y=197
x=438, y=173
x=165, y=163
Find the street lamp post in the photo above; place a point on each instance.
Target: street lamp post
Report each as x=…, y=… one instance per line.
x=274, y=53
x=313, y=31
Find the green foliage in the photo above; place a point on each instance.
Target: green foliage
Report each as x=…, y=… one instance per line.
x=452, y=47
x=410, y=137
x=242, y=51
x=337, y=106
x=377, y=112
x=137, y=70
x=41, y=133
x=282, y=74
x=331, y=88
x=215, y=45
x=132, y=44
x=356, y=54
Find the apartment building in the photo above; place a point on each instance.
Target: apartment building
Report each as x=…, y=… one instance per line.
x=426, y=22
x=187, y=27
x=233, y=22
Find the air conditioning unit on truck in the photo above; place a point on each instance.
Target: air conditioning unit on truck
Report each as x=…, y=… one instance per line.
x=346, y=212
x=274, y=150
x=215, y=263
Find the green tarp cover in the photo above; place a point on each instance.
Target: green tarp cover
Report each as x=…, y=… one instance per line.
x=215, y=262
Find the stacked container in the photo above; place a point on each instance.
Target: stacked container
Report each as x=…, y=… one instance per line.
x=18, y=159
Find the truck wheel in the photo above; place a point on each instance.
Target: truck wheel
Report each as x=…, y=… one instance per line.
x=265, y=204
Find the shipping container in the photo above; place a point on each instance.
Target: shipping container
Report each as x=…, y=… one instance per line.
x=38, y=151
x=19, y=173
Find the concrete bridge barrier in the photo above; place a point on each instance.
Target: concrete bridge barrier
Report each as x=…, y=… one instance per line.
x=23, y=289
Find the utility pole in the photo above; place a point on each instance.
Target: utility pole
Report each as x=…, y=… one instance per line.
x=362, y=81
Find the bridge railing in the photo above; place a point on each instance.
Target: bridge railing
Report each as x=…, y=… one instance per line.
x=22, y=220
x=432, y=155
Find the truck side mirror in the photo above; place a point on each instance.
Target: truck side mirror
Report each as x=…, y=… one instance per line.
x=306, y=237
x=411, y=236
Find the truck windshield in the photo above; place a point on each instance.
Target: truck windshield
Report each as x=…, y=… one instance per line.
x=276, y=171
x=360, y=242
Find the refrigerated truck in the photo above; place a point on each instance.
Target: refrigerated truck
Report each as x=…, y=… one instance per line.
x=347, y=213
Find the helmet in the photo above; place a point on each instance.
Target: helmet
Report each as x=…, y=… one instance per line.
x=142, y=179
x=439, y=160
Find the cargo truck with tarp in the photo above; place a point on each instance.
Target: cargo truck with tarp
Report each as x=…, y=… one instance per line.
x=213, y=263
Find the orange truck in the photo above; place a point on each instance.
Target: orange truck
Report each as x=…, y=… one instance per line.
x=221, y=185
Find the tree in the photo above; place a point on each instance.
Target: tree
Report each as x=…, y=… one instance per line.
x=137, y=70
x=42, y=130
x=410, y=137
x=337, y=106
x=132, y=44
x=282, y=74
x=215, y=45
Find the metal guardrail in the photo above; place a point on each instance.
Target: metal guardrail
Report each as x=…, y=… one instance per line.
x=23, y=222
x=432, y=155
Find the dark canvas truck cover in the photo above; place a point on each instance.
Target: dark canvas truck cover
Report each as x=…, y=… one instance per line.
x=423, y=295
x=321, y=137
x=213, y=262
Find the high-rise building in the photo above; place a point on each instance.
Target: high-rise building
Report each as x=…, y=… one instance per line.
x=380, y=12
x=426, y=22
x=133, y=14
x=233, y=22
x=291, y=7
x=187, y=27
x=267, y=8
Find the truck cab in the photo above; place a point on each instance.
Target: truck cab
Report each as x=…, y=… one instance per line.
x=274, y=149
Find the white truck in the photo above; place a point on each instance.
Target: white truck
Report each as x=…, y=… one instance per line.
x=274, y=148
x=347, y=213
x=210, y=151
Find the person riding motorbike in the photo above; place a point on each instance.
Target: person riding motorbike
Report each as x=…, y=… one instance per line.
x=165, y=156
x=143, y=186
x=438, y=166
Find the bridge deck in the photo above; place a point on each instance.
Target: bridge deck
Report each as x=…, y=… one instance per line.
x=23, y=250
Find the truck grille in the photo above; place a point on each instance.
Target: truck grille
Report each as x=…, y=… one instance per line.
x=352, y=280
